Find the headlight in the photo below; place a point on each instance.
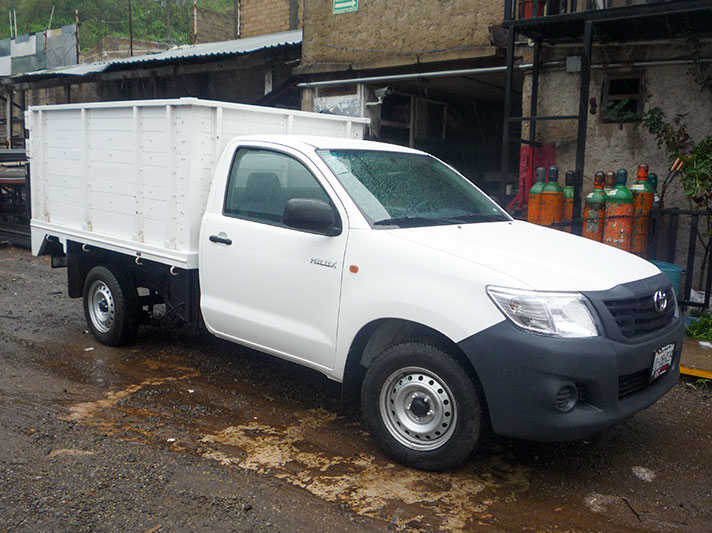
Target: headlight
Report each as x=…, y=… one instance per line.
x=564, y=314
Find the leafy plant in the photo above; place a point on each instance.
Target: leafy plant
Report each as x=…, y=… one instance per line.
x=700, y=329
x=670, y=134
x=697, y=174
x=619, y=111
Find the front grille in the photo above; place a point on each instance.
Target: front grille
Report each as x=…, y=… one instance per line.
x=637, y=316
x=632, y=383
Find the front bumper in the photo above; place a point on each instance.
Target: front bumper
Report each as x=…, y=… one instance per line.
x=521, y=374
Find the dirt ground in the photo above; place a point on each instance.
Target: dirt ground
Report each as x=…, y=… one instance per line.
x=181, y=431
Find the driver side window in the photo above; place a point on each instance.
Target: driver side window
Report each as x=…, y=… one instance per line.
x=261, y=182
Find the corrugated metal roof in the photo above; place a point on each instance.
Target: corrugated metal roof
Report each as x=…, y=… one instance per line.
x=224, y=48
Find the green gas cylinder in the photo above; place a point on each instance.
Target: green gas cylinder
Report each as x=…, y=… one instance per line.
x=569, y=195
x=552, y=200
x=595, y=209
x=534, y=203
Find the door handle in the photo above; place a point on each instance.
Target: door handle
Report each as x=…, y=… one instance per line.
x=221, y=240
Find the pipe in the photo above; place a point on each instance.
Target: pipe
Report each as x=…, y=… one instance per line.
x=413, y=76
x=487, y=70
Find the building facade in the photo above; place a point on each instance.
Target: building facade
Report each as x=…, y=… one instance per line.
x=428, y=75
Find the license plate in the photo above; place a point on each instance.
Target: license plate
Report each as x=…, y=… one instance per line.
x=662, y=361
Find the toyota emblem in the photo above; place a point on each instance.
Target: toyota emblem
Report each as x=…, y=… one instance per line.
x=660, y=300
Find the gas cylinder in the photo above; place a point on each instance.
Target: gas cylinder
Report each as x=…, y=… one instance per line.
x=643, y=198
x=594, y=210
x=619, y=214
x=552, y=200
x=534, y=203
x=569, y=197
x=610, y=183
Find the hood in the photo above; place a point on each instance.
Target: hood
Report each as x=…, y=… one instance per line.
x=538, y=258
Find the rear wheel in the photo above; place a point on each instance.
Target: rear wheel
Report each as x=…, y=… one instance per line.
x=421, y=406
x=111, y=305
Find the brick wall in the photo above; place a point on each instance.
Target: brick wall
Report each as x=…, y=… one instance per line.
x=260, y=17
x=386, y=33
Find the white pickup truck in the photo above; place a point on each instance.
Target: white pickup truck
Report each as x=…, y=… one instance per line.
x=377, y=265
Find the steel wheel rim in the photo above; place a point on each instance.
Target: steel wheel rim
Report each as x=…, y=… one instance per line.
x=418, y=408
x=102, y=309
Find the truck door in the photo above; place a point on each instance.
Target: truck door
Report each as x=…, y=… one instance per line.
x=264, y=284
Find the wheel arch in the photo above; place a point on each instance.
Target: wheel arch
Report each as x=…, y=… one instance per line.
x=373, y=338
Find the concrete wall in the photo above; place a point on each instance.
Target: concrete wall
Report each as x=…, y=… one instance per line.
x=383, y=33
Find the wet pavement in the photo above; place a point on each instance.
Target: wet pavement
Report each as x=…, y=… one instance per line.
x=181, y=431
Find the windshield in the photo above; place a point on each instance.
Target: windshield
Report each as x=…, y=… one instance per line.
x=394, y=189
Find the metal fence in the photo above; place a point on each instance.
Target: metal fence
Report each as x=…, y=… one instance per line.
x=666, y=239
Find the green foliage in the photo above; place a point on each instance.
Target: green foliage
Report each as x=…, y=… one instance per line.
x=672, y=135
x=696, y=173
x=618, y=111
x=700, y=329
x=100, y=18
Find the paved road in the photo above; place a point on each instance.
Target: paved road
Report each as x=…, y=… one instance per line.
x=181, y=431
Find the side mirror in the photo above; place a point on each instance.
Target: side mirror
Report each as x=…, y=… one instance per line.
x=314, y=216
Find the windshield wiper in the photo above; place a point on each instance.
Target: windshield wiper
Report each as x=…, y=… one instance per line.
x=413, y=221
x=478, y=217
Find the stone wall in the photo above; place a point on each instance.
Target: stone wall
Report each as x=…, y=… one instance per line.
x=214, y=26
x=257, y=17
x=384, y=33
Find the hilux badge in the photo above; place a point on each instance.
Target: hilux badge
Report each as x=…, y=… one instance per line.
x=323, y=262
x=660, y=301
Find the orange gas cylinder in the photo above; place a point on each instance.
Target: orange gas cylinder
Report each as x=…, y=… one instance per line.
x=619, y=214
x=534, y=202
x=643, y=197
x=569, y=197
x=595, y=209
x=552, y=200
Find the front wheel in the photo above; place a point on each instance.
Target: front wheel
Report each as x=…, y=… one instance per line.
x=110, y=305
x=421, y=406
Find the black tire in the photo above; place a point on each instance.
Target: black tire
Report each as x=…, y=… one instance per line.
x=421, y=407
x=111, y=305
